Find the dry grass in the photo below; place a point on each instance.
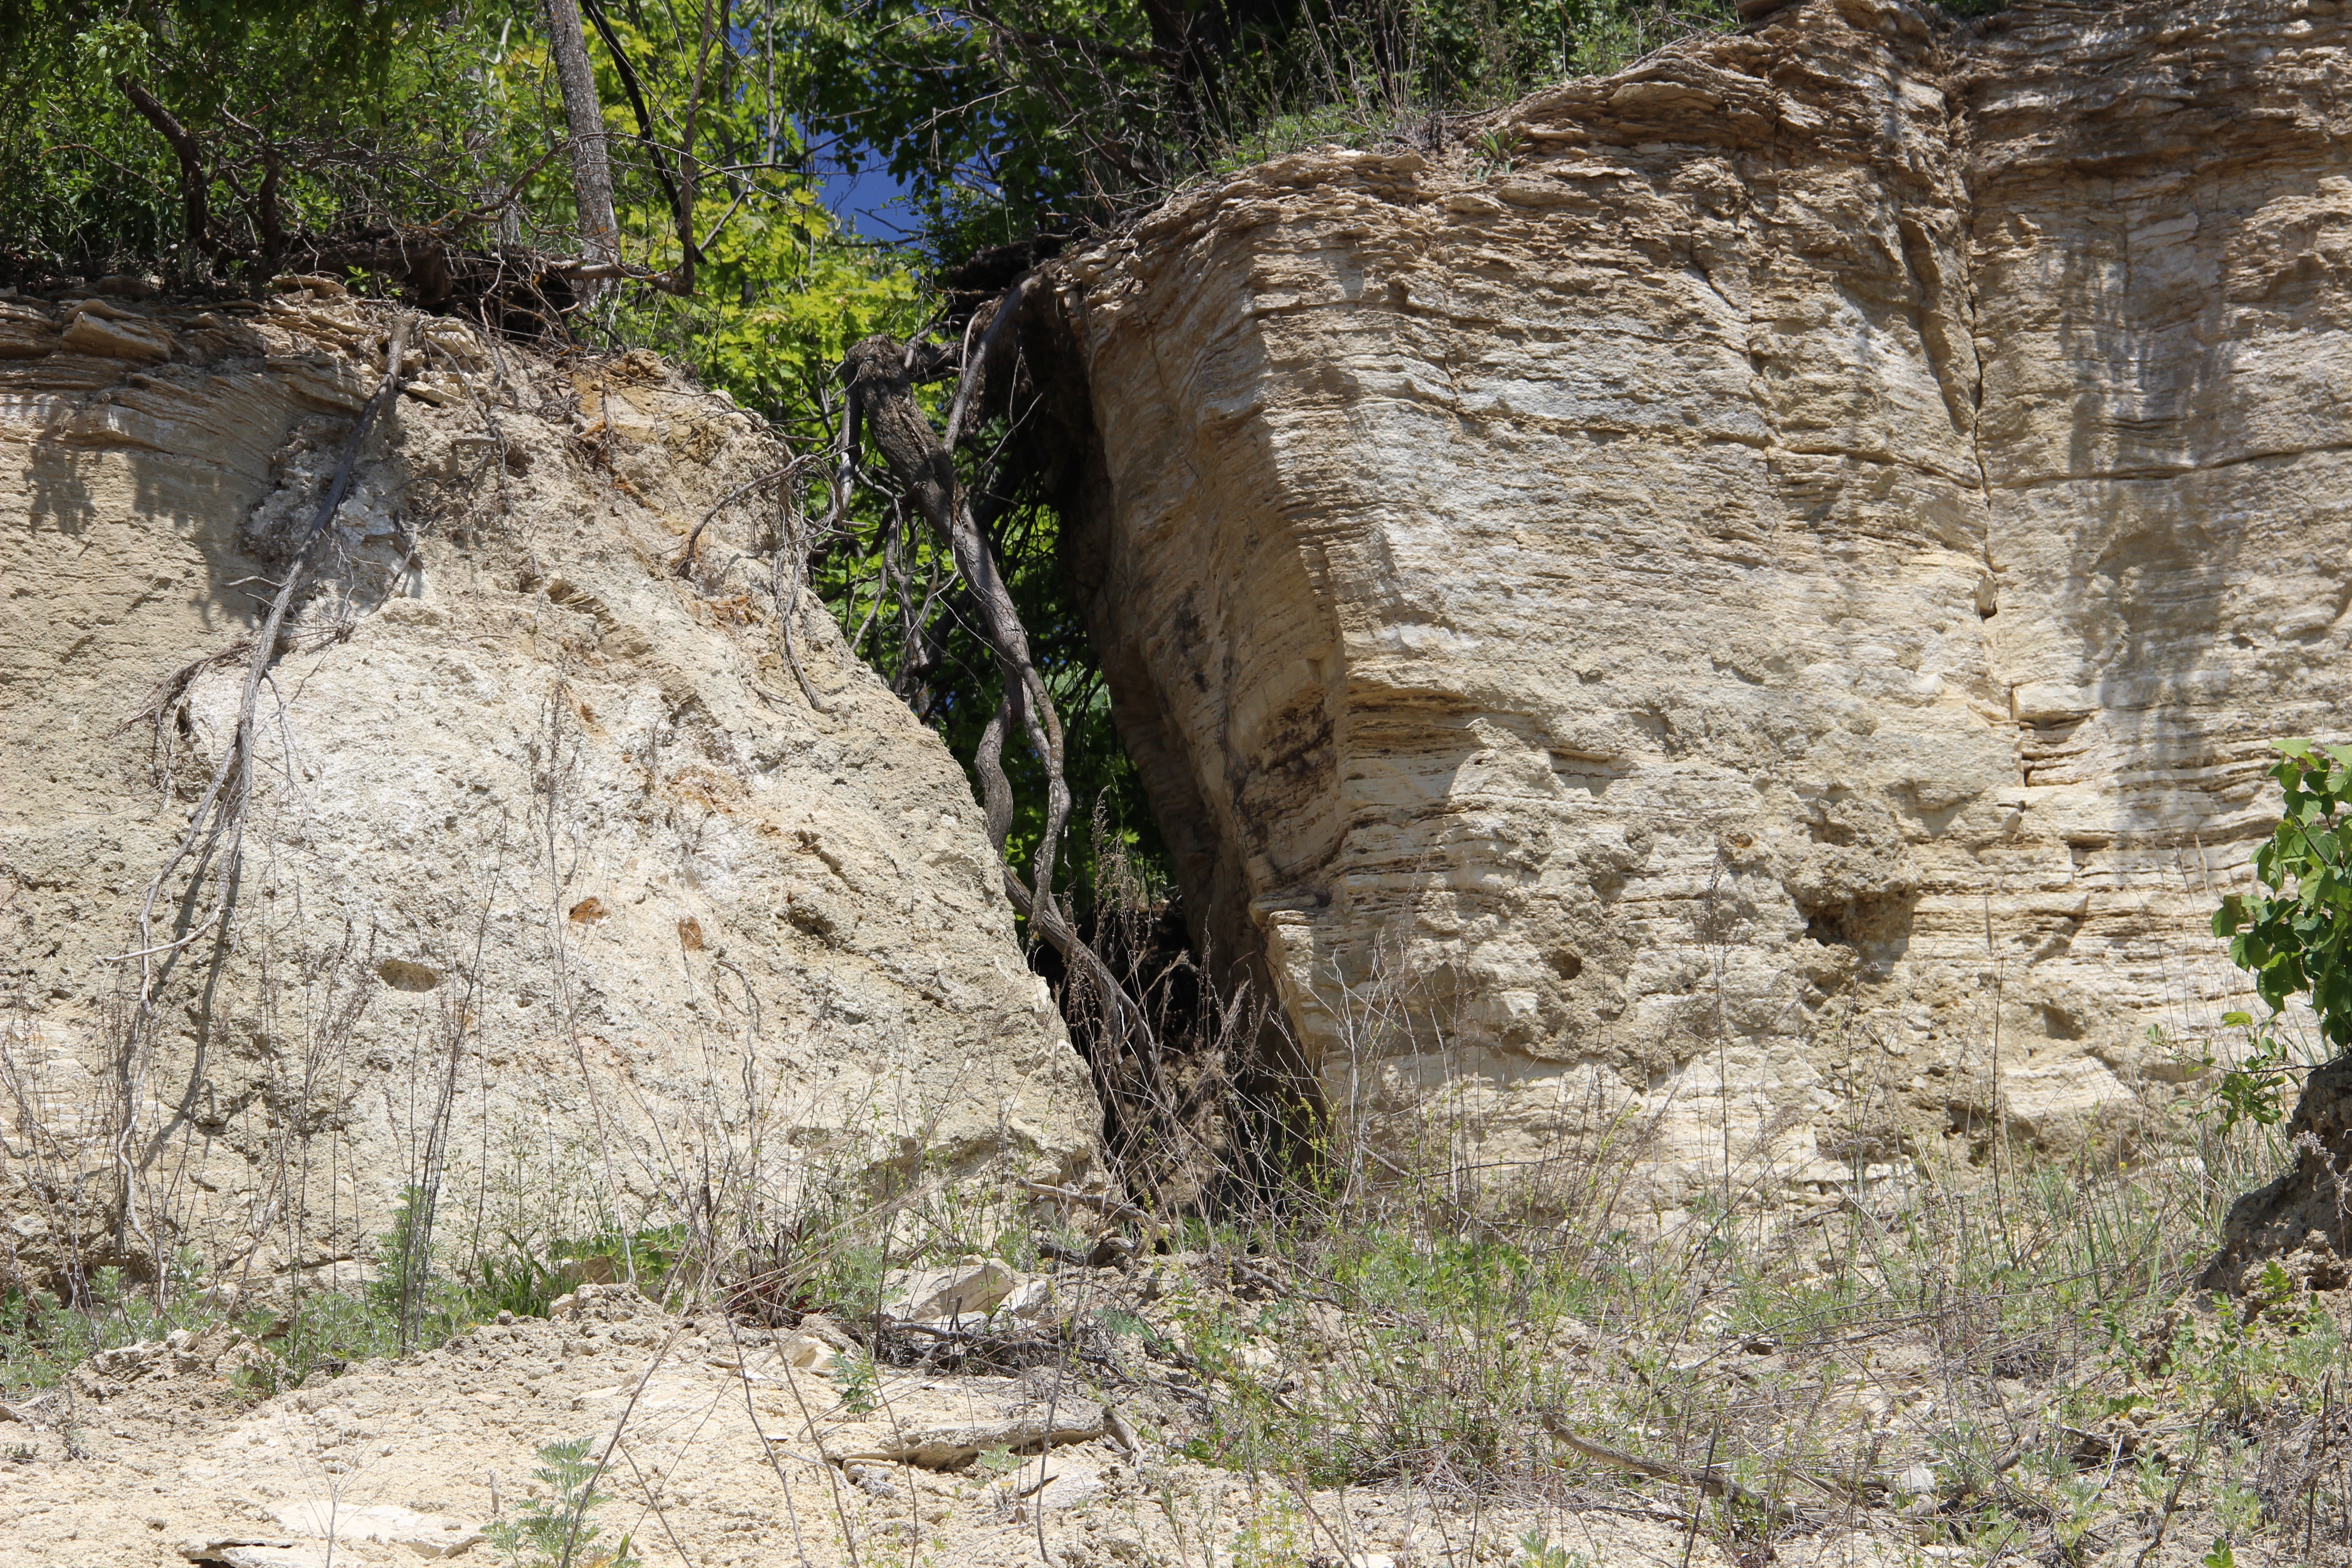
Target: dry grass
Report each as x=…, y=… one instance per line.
x=1959, y=1345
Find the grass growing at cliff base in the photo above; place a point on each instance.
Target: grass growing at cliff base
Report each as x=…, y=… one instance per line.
x=2000, y=1370
x=1965, y=1346
x=1958, y=1346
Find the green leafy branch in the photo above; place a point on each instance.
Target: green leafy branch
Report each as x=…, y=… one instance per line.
x=554, y=1531
x=2295, y=936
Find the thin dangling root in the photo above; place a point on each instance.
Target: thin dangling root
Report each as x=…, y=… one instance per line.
x=217, y=825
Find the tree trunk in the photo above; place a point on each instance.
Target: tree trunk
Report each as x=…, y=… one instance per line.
x=881, y=399
x=194, y=184
x=584, y=113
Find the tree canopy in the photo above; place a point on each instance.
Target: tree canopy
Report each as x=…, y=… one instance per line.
x=206, y=136
x=1007, y=118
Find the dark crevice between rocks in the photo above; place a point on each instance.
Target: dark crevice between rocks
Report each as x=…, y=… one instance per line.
x=1211, y=1107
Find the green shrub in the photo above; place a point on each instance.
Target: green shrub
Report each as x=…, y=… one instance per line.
x=2295, y=937
x=43, y=1335
x=554, y=1531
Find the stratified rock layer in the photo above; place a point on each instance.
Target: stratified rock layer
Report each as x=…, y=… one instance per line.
x=556, y=893
x=1758, y=617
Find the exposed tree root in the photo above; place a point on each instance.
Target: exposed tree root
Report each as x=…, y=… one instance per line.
x=214, y=839
x=880, y=374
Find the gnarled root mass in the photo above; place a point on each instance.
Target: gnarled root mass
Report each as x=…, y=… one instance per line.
x=880, y=374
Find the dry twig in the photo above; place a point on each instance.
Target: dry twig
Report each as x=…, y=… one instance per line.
x=1710, y=1481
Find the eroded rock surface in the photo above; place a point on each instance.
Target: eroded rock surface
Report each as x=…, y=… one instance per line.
x=556, y=890
x=2303, y=1219
x=1761, y=613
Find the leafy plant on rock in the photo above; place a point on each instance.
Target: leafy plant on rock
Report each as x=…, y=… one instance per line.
x=2295, y=938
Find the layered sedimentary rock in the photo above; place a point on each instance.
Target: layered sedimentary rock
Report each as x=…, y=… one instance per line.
x=1757, y=613
x=556, y=892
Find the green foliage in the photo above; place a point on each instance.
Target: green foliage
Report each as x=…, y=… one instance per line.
x=349, y=113
x=978, y=131
x=403, y=1253
x=784, y=296
x=325, y=1331
x=422, y=1306
x=554, y=1531
x=43, y=1335
x=1007, y=120
x=780, y=292
x=2293, y=937
x=2285, y=1346
x=2291, y=941
x=1536, y=1550
x=998, y=1462
x=526, y=1278
x=924, y=647
x=1451, y=1338
x=2252, y=1088
x=1441, y=1372
x=516, y=1281
x=319, y=119
x=859, y=1384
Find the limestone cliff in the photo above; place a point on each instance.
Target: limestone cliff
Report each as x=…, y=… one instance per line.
x=1764, y=607
x=555, y=884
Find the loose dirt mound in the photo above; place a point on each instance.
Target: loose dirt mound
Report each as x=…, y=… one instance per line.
x=2302, y=1221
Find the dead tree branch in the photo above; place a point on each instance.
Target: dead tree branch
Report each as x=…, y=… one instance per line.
x=194, y=188
x=880, y=374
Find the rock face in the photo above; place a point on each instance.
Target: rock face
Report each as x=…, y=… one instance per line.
x=1755, y=619
x=2302, y=1220
x=555, y=889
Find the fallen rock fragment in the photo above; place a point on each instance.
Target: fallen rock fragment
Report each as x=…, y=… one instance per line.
x=427, y=1535
x=871, y=1479
x=964, y=1295
x=177, y=1353
x=1066, y=1486
x=1029, y=1425
x=815, y=1345
x=974, y=1285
